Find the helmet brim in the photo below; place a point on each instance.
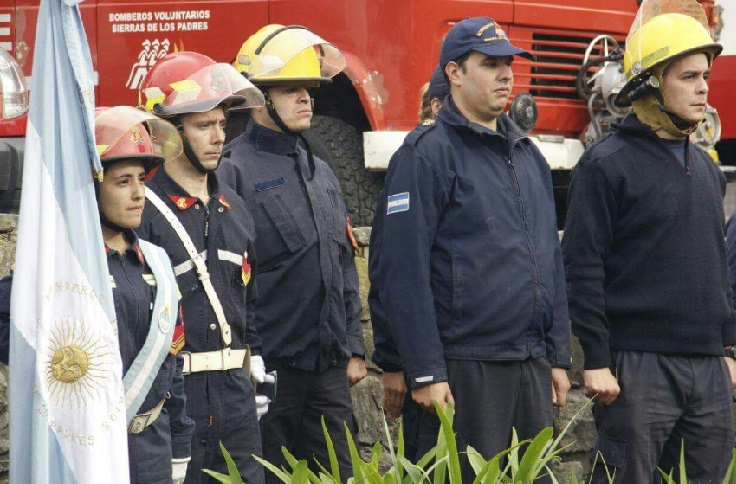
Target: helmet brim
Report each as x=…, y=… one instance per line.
x=234, y=101
x=622, y=98
x=307, y=82
x=150, y=161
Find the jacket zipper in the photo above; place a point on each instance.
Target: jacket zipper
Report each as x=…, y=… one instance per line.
x=522, y=213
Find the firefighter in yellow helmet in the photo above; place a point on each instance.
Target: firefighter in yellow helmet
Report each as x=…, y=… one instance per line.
x=645, y=258
x=308, y=309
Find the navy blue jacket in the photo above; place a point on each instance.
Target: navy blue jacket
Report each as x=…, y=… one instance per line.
x=644, y=249
x=134, y=292
x=308, y=311
x=730, y=254
x=5, y=284
x=465, y=255
x=221, y=401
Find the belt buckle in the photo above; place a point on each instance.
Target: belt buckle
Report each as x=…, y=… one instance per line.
x=187, y=357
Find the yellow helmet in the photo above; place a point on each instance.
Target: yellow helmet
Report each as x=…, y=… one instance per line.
x=280, y=55
x=663, y=31
x=657, y=38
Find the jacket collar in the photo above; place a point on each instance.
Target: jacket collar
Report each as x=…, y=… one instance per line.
x=451, y=115
x=180, y=197
x=265, y=139
x=134, y=250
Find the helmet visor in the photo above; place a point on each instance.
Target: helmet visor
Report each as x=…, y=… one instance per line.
x=636, y=42
x=276, y=52
x=209, y=87
x=126, y=131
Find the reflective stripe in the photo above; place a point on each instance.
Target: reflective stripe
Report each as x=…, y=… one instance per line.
x=188, y=265
x=230, y=257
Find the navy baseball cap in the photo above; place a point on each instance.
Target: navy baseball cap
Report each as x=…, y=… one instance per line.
x=481, y=34
x=438, y=87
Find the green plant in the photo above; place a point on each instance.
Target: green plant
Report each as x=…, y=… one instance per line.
x=522, y=463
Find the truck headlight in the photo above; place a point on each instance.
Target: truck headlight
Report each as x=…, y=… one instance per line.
x=13, y=89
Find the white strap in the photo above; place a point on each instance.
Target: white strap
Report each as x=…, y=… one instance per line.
x=198, y=261
x=225, y=359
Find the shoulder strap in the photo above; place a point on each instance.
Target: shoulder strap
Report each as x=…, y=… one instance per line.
x=198, y=261
x=139, y=378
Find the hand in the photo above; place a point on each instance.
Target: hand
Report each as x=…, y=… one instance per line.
x=560, y=387
x=356, y=370
x=434, y=392
x=258, y=370
x=394, y=392
x=262, y=402
x=602, y=383
x=179, y=469
x=731, y=364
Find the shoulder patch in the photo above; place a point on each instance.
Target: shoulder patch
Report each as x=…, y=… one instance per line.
x=398, y=203
x=416, y=134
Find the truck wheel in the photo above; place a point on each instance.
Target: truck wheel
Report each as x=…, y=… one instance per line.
x=340, y=145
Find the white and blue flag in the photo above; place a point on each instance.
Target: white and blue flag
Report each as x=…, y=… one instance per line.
x=397, y=203
x=67, y=406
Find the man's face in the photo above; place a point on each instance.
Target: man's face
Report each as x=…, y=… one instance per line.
x=482, y=85
x=294, y=107
x=122, y=193
x=685, y=89
x=206, y=135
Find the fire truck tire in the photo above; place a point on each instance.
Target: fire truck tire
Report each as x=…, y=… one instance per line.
x=340, y=145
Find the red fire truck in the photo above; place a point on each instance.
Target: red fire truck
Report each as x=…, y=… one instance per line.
x=391, y=48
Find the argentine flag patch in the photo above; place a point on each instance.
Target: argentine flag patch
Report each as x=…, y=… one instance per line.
x=398, y=203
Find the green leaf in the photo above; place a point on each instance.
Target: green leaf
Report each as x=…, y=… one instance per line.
x=232, y=469
x=514, y=456
x=414, y=471
x=683, y=472
x=220, y=477
x=355, y=459
x=280, y=473
x=528, y=468
x=334, y=464
x=477, y=462
x=301, y=473
x=453, y=459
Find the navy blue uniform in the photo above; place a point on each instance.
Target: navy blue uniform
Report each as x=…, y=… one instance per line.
x=5, y=284
x=467, y=268
x=468, y=263
x=308, y=308
x=221, y=403
x=650, y=299
x=134, y=292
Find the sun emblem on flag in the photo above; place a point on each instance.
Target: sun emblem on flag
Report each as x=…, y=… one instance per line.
x=76, y=362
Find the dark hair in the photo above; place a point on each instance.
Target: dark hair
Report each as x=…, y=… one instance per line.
x=460, y=61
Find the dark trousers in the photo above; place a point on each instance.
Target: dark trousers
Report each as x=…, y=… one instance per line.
x=294, y=419
x=666, y=402
x=222, y=405
x=491, y=398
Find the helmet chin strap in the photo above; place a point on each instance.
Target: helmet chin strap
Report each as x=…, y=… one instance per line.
x=189, y=151
x=271, y=109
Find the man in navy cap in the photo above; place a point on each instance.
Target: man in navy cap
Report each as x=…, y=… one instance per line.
x=466, y=265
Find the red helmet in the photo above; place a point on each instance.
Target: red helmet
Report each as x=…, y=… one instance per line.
x=188, y=82
x=124, y=133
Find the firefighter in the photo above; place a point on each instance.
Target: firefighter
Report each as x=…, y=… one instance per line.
x=308, y=311
x=396, y=398
x=433, y=94
x=646, y=264
x=466, y=260
x=208, y=233
x=131, y=145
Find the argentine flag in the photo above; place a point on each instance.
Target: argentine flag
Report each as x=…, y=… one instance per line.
x=67, y=407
